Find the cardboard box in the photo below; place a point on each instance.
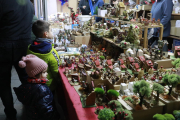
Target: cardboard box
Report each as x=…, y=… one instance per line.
x=146, y=7
x=82, y=39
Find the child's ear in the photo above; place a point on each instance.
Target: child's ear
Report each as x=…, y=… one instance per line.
x=45, y=34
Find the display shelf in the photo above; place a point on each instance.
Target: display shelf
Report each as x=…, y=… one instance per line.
x=145, y=44
x=175, y=37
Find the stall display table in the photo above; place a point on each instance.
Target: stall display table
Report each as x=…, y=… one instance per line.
x=73, y=103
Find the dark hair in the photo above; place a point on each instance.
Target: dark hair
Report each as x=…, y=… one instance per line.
x=39, y=27
x=38, y=75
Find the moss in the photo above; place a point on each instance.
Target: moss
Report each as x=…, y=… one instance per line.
x=99, y=90
x=169, y=116
x=128, y=98
x=113, y=92
x=102, y=57
x=106, y=114
x=159, y=117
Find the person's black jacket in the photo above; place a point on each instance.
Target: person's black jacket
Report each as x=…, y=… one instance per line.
x=85, y=11
x=15, y=20
x=38, y=101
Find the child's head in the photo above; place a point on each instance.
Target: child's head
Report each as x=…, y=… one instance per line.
x=35, y=67
x=41, y=29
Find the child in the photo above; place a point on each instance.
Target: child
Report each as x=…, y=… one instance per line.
x=42, y=48
x=35, y=95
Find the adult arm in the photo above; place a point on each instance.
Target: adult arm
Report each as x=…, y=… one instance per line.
x=81, y=5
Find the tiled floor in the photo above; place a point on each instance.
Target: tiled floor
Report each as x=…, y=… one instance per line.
x=15, y=82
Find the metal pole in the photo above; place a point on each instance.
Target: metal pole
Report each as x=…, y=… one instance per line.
x=38, y=9
x=45, y=10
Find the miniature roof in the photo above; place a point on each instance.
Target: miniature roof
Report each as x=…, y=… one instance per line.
x=97, y=63
x=136, y=65
x=142, y=58
x=111, y=67
x=149, y=62
x=178, y=53
x=121, y=4
x=131, y=59
x=177, y=47
x=123, y=66
x=109, y=62
x=122, y=61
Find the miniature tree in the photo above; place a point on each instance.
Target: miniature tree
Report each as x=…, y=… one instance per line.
x=159, y=89
x=102, y=57
x=163, y=117
x=143, y=89
x=114, y=93
x=159, y=117
x=169, y=116
x=119, y=111
x=99, y=90
x=176, y=63
x=106, y=114
x=176, y=113
x=171, y=80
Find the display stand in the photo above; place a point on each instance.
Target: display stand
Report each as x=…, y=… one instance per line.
x=142, y=27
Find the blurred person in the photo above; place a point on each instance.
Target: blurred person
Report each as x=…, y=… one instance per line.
x=161, y=9
x=15, y=35
x=84, y=6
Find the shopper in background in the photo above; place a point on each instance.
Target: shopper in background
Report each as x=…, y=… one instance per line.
x=33, y=37
x=35, y=94
x=84, y=6
x=97, y=3
x=15, y=35
x=162, y=10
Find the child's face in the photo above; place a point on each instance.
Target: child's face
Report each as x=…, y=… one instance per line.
x=44, y=74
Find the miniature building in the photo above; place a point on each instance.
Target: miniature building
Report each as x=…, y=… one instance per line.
x=177, y=49
x=130, y=53
x=117, y=71
x=135, y=67
x=123, y=87
x=122, y=56
x=147, y=65
x=123, y=67
x=129, y=60
x=109, y=63
x=121, y=8
x=142, y=60
x=98, y=64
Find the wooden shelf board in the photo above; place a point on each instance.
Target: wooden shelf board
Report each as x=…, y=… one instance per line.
x=175, y=37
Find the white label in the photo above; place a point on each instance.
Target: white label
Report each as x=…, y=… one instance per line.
x=177, y=23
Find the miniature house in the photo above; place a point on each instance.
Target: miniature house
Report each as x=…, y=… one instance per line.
x=123, y=87
x=135, y=67
x=176, y=51
x=122, y=56
x=130, y=53
x=130, y=86
x=142, y=60
x=117, y=71
x=121, y=8
x=147, y=65
x=98, y=64
x=129, y=60
x=123, y=67
x=109, y=64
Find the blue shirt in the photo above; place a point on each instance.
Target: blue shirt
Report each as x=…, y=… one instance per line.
x=162, y=10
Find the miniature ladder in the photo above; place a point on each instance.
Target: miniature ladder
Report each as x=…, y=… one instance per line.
x=91, y=7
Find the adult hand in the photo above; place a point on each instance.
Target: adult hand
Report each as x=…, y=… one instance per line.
x=84, y=7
